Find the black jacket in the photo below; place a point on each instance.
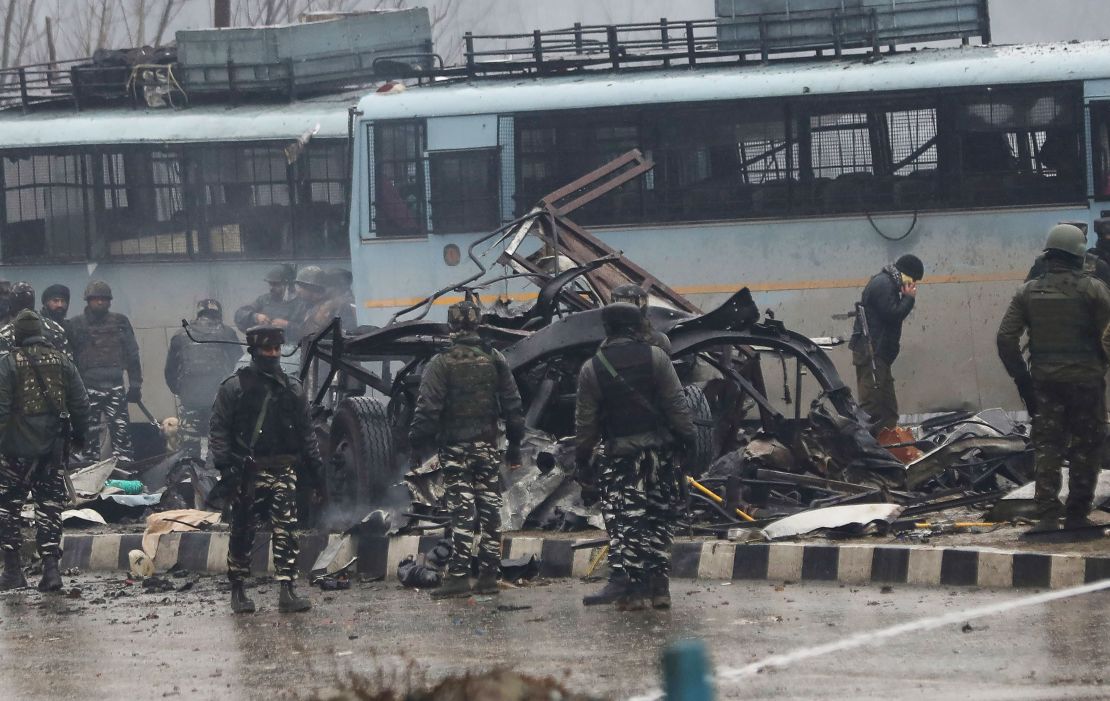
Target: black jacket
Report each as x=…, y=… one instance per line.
x=886, y=308
x=287, y=426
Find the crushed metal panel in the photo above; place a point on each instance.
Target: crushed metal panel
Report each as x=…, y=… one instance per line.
x=832, y=517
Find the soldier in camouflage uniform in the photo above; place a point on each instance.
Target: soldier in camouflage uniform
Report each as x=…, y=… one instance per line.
x=260, y=432
x=464, y=391
x=630, y=399
x=41, y=400
x=23, y=297
x=104, y=347
x=194, y=371
x=273, y=308
x=1065, y=312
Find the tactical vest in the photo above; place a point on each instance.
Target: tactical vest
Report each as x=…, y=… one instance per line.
x=103, y=346
x=203, y=365
x=471, y=407
x=279, y=434
x=1062, y=329
x=628, y=406
x=51, y=367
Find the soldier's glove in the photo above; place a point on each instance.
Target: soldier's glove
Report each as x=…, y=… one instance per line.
x=587, y=480
x=1025, y=391
x=513, y=456
x=135, y=394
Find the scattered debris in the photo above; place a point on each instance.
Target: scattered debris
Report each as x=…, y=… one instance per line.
x=858, y=519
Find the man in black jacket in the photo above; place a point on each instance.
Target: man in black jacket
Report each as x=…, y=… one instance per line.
x=877, y=336
x=260, y=431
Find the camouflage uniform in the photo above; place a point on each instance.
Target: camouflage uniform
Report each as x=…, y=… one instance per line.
x=630, y=398
x=29, y=438
x=1064, y=312
x=52, y=331
x=285, y=438
x=104, y=347
x=463, y=392
x=194, y=372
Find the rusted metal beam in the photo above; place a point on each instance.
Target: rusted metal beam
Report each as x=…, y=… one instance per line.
x=594, y=184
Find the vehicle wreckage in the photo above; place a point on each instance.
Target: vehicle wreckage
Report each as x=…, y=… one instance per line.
x=760, y=452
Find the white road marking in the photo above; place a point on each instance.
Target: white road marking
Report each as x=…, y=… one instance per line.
x=874, y=636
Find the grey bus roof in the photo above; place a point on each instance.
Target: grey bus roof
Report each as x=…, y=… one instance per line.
x=918, y=70
x=197, y=124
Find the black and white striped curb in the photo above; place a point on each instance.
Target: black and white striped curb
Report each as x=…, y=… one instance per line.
x=789, y=562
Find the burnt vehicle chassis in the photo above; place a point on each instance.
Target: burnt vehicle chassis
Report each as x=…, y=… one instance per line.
x=364, y=385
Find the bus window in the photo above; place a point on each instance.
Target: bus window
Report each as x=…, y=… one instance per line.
x=719, y=163
x=45, y=211
x=322, y=200
x=1100, y=148
x=399, y=185
x=1020, y=147
x=244, y=202
x=465, y=190
x=143, y=212
x=555, y=150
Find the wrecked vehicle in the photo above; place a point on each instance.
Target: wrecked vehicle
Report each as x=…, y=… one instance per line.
x=364, y=384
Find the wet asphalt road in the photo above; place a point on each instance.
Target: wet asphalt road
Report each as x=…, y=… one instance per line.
x=107, y=645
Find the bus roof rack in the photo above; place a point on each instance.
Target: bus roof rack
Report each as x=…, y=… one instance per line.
x=743, y=29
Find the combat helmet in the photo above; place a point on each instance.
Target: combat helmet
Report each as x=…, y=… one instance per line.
x=98, y=288
x=211, y=307
x=620, y=317
x=463, y=316
x=22, y=296
x=631, y=294
x=265, y=336
x=280, y=273
x=312, y=275
x=1066, y=238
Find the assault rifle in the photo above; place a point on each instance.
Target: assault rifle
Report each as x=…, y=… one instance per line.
x=861, y=312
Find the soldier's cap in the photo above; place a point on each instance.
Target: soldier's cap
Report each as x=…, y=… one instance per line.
x=265, y=336
x=55, y=292
x=211, y=306
x=27, y=324
x=633, y=294
x=98, y=288
x=463, y=316
x=311, y=276
x=280, y=273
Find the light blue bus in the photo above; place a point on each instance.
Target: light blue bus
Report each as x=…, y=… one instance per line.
x=799, y=178
x=171, y=206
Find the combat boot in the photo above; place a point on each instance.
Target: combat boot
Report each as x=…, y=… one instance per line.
x=239, y=601
x=487, y=583
x=51, y=578
x=634, y=598
x=1078, y=521
x=289, y=602
x=660, y=591
x=13, y=571
x=608, y=594
x=454, y=585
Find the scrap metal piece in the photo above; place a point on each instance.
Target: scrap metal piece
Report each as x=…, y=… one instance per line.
x=859, y=516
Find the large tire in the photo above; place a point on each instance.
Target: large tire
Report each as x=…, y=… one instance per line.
x=705, y=446
x=363, y=461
